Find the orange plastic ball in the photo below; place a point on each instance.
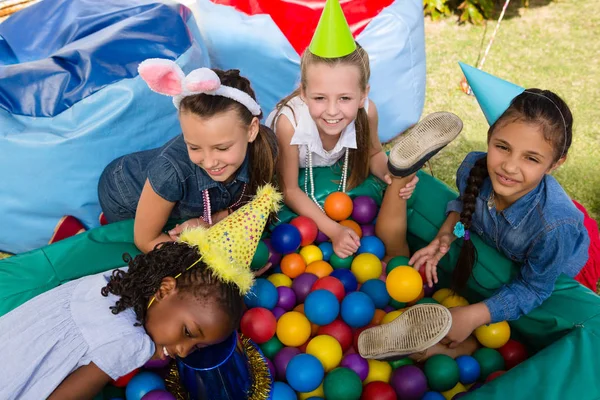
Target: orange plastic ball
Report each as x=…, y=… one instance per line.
x=348, y=223
x=293, y=265
x=338, y=206
x=378, y=317
x=404, y=284
x=293, y=329
x=319, y=268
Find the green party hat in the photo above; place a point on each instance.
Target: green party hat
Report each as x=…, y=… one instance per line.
x=332, y=37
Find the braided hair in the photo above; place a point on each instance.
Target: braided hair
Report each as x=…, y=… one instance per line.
x=146, y=272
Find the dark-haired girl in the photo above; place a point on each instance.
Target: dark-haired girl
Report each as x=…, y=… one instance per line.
x=223, y=155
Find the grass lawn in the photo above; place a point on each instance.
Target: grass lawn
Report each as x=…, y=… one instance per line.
x=551, y=46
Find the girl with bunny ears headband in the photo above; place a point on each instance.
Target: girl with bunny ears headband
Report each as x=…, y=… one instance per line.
x=198, y=177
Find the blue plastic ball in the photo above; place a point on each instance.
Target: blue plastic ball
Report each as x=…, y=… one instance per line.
x=276, y=270
x=357, y=309
x=285, y=238
x=143, y=383
x=327, y=250
x=377, y=291
x=321, y=307
x=281, y=391
x=373, y=245
x=263, y=294
x=347, y=278
x=469, y=369
x=433, y=396
x=304, y=373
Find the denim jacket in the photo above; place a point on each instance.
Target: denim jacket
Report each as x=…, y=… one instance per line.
x=543, y=231
x=173, y=177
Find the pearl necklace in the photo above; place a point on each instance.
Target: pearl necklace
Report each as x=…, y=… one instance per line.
x=207, y=216
x=308, y=173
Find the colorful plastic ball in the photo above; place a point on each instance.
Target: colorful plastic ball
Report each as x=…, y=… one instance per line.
x=342, y=384
x=302, y=286
x=493, y=336
x=143, y=383
x=468, y=369
x=281, y=360
x=392, y=315
x=442, y=372
x=340, y=263
x=454, y=300
x=401, y=362
x=311, y=253
x=124, y=380
x=489, y=361
x=357, y=309
x=272, y=370
x=317, y=394
x=280, y=279
x=409, y=382
x=262, y=294
x=372, y=245
x=378, y=371
x=271, y=347
x=378, y=316
x=158, y=394
x=427, y=300
x=321, y=307
x=338, y=206
x=321, y=237
x=340, y=331
x=494, y=375
x=378, y=391
x=285, y=238
x=274, y=257
x=357, y=364
x=449, y=394
x=258, y=324
x=293, y=329
x=293, y=265
x=376, y=290
x=278, y=312
x=396, y=305
x=348, y=223
x=327, y=250
x=281, y=391
x=287, y=298
x=441, y=294
x=366, y=266
x=261, y=256
x=157, y=363
x=331, y=284
x=319, y=268
x=404, y=284
x=475, y=386
x=327, y=350
x=398, y=261
x=364, y=209
x=433, y=396
x=367, y=230
x=307, y=228
x=513, y=353
x=428, y=291
x=347, y=278
x=304, y=373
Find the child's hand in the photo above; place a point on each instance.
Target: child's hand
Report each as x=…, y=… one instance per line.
x=345, y=242
x=431, y=255
x=407, y=191
x=190, y=223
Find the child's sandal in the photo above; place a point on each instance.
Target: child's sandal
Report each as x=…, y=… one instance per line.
x=415, y=330
x=414, y=148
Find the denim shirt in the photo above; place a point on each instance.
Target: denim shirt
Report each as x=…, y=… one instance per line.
x=542, y=230
x=173, y=177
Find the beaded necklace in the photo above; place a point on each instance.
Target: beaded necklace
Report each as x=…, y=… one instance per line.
x=308, y=173
x=207, y=217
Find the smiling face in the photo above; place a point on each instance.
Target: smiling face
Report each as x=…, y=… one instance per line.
x=217, y=144
x=518, y=158
x=333, y=95
x=179, y=322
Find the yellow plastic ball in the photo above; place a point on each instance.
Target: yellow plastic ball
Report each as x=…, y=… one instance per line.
x=311, y=253
x=293, y=329
x=441, y=294
x=493, y=336
x=392, y=315
x=280, y=280
x=449, y=394
x=404, y=284
x=378, y=371
x=318, y=392
x=366, y=266
x=454, y=300
x=327, y=350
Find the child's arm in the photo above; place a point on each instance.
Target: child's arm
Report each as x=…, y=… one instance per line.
x=84, y=383
x=345, y=241
x=150, y=218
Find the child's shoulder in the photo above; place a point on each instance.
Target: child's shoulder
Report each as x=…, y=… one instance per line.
x=558, y=208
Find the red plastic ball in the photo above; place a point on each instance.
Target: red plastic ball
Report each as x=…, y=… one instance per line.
x=378, y=391
x=124, y=380
x=494, y=375
x=308, y=229
x=259, y=324
x=357, y=333
x=339, y=330
x=332, y=284
x=513, y=353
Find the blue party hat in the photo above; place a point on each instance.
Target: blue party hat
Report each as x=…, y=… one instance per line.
x=493, y=94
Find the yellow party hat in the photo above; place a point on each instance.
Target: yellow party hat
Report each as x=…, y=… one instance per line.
x=333, y=37
x=228, y=247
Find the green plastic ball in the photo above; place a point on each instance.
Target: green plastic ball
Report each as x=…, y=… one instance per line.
x=401, y=362
x=271, y=347
x=340, y=263
x=342, y=384
x=396, y=304
x=427, y=300
x=261, y=257
x=441, y=372
x=396, y=262
x=490, y=360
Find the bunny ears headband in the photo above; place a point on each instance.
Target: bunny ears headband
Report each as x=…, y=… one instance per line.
x=166, y=77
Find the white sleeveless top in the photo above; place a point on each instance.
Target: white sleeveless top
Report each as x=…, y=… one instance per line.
x=306, y=135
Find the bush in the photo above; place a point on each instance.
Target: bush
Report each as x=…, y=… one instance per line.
x=473, y=11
